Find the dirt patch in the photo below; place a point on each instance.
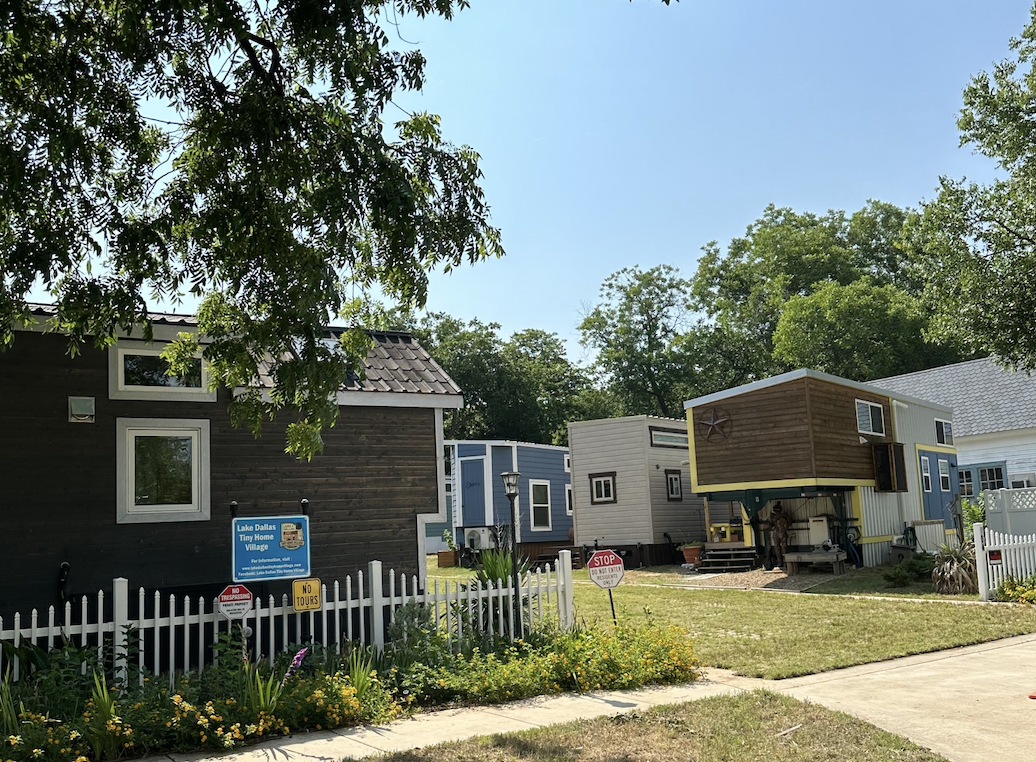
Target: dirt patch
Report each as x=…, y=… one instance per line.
x=757, y=578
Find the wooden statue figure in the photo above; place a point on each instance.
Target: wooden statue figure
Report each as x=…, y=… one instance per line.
x=780, y=524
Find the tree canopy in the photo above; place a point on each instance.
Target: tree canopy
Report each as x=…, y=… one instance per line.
x=235, y=151
x=976, y=244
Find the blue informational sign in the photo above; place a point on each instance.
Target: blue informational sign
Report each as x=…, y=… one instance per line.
x=270, y=547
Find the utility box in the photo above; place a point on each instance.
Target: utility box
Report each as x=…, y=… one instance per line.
x=819, y=531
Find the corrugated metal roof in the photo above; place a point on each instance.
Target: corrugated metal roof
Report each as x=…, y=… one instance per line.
x=985, y=397
x=395, y=362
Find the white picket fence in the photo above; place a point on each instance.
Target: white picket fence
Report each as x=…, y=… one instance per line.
x=180, y=635
x=1000, y=556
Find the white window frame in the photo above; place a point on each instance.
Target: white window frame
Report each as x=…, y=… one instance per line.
x=664, y=438
x=602, y=479
x=533, y=483
x=944, y=475
x=926, y=474
x=944, y=432
x=670, y=473
x=870, y=418
x=569, y=505
x=568, y=463
x=992, y=482
x=118, y=389
x=126, y=429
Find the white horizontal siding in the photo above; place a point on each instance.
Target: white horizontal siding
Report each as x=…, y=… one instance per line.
x=1017, y=447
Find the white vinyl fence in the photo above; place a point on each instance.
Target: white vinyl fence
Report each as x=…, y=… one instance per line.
x=1000, y=556
x=171, y=633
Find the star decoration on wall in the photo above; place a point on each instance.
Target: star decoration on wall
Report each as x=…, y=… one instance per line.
x=714, y=424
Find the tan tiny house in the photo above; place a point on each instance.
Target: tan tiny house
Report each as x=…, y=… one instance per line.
x=631, y=487
x=853, y=463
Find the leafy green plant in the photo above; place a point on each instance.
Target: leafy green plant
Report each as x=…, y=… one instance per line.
x=103, y=724
x=897, y=575
x=495, y=565
x=8, y=713
x=261, y=693
x=1013, y=590
x=954, y=571
x=973, y=511
x=447, y=537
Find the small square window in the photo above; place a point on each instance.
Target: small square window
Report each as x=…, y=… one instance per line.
x=569, y=507
x=943, y=432
x=162, y=470
x=991, y=478
x=674, y=485
x=137, y=371
x=870, y=418
x=602, y=488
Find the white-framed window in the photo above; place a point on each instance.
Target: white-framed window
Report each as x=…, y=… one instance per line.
x=926, y=474
x=944, y=475
x=967, y=483
x=943, y=432
x=539, y=502
x=667, y=438
x=602, y=488
x=991, y=478
x=569, y=506
x=673, y=484
x=136, y=371
x=870, y=418
x=162, y=470
x=568, y=463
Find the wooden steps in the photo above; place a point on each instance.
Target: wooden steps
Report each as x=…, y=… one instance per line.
x=718, y=560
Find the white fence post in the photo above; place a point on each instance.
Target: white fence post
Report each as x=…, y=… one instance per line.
x=981, y=561
x=120, y=614
x=566, y=602
x=377, y=619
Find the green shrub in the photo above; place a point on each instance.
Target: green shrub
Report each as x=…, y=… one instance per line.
x=897, y=575
x=973, y=511
x=917, y=568
x=1017, y=591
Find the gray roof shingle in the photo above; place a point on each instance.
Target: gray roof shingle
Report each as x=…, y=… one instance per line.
x=985, y=397
x=395, y=362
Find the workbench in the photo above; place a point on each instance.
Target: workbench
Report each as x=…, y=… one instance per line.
x=834, y=557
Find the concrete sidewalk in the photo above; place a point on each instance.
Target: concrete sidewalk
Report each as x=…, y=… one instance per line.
x=968, y=704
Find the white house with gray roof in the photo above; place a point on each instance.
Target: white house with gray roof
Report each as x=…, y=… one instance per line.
x=994, y=419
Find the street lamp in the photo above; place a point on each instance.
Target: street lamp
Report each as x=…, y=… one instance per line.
x=511, y=490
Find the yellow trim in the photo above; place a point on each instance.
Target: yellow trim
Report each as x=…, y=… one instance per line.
x=880, y=538
x=951, y=531
x=935, y=448
x=747, y=535
x=777, y=483
x=856, y=506
x=690, y=448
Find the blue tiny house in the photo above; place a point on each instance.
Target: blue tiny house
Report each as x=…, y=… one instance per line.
x=477, y=503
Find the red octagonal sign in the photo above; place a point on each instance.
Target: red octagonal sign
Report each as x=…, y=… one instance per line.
x=235, y=601
x=605, y=568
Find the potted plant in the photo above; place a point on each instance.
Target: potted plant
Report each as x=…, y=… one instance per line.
x=450, y=556
x=692, y=552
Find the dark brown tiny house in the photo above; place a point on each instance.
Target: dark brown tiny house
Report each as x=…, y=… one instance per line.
x=65, y=482
x=828, y=448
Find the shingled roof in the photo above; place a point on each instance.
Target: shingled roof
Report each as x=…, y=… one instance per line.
x=985, y=397
x=395, y=362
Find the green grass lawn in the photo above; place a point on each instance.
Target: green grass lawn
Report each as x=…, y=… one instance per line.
x=779, y=635
x=869, y=581
x=751, y=726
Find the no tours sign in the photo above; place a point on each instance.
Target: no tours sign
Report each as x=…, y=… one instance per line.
x=605, y=568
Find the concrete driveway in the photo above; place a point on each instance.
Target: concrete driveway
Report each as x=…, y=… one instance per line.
x=969, y=704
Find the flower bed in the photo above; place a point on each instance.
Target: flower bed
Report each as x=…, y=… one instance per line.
x=59, y=713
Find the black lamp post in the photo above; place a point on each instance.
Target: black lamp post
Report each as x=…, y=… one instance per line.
x=511, y=490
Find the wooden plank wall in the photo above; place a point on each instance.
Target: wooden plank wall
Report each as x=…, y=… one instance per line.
x=57, y=494
x=836, y=441
x=769, y=437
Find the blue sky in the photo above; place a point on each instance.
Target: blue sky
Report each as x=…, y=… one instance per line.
x=615, y=134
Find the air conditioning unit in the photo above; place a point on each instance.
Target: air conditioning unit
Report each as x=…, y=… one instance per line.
x=1021, y=481
x=478, y=538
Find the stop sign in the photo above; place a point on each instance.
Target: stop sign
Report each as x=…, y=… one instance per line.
x=605, y=568
x=235, y=601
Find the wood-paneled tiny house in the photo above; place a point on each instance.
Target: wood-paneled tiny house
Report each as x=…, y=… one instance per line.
x=74, y=433
x=868, y=461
